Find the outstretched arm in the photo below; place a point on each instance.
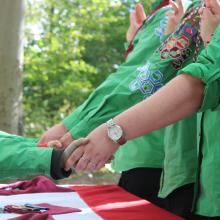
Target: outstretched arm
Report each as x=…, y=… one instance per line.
x=178, y=99
x=59, y=131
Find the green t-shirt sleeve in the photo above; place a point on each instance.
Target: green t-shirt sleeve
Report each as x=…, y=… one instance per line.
x=207, y=68
x=211, y=96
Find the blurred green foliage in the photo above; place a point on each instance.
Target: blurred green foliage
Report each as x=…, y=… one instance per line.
x=71, y=47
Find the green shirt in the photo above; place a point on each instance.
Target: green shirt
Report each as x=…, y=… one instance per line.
x=114, y=96
x=175, y=53
x=20, y=157
x=207, y=69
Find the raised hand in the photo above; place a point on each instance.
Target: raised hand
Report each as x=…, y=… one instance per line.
x=174, y=16
x=136, y=20
x=210, y=19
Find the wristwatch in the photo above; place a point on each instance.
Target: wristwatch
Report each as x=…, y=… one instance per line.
x=115, y=132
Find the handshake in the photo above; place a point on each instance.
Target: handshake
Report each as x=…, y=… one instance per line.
x=85, y=154
x=60, y=167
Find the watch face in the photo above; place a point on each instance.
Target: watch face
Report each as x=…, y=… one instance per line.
x=115, y=133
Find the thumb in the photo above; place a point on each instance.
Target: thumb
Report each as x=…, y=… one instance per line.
x=214, y=6
x=140, y=13
x=66, y=139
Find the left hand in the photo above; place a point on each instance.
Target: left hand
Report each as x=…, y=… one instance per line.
x=136, y=20
x=174, y=16
x=97, y=152
x=210, y=18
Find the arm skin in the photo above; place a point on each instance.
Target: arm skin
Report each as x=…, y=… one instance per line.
x=59, y=132
x=179, y=98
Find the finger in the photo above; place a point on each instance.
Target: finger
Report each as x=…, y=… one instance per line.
x=140, y=13
x=201, y=10
x=110, y=159
x=214, y=6
x=55, y=143
x=74, y=158
x=73, y=146
x=132, y=17
x=170, y=14
x=66, y=139
x=100, y=165
x=180, y=6
x=82, y=164
x=43, y=139
x=207, y=14
x=91, y=167
x=101, y=162
x=174, y=6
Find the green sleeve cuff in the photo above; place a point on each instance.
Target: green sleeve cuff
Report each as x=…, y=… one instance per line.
x=207, y=72
x=211, y=96
x=68, y=122
x=212, y=83
x=83, y=128
x=71, y=120
x=56, y=171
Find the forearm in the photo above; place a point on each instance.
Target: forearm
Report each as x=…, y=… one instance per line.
x=179, y=98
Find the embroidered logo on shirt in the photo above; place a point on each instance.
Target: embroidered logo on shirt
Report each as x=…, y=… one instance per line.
x=148, y=81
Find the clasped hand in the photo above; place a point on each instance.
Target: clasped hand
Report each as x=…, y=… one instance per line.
x=94, y=154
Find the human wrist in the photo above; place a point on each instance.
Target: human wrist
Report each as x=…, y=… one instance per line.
x=115, y=132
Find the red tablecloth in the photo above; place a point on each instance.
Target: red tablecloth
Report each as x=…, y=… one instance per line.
x=109, y=202
x=113, y=203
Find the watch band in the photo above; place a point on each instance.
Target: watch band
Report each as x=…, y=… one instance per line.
x=122, y=140
x=112, y=125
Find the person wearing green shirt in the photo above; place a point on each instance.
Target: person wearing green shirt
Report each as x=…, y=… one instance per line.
x=177, y=182
x=195, y=88
x=113, y=96
x=137, y=86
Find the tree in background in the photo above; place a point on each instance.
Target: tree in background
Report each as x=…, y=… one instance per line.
x=11, y=23
x=71, y=47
